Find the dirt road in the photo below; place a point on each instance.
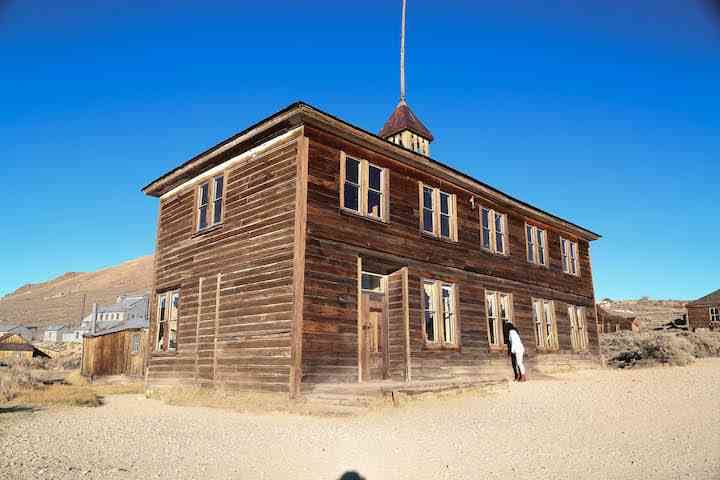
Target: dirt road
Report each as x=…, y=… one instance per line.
x=653, y=424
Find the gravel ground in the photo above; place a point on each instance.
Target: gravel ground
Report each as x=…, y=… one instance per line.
x=655, y=423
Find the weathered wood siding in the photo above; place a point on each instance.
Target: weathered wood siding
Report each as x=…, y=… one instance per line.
x=699, y=315
x=244, y=341
x=335, y=240
x=112, y=354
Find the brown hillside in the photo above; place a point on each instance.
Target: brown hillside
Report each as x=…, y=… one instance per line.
x=651, y=313
x=58, y=301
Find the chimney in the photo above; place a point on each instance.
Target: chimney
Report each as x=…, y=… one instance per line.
x=93, y=319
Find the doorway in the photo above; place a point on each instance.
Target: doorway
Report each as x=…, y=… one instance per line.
x=373, y=323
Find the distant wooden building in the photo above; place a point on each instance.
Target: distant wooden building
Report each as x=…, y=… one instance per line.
x=609, y=322
x=118, y=350
x=14, y=346
x=704, y=313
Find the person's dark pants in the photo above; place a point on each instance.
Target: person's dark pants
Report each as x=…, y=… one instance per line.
x=516, y=368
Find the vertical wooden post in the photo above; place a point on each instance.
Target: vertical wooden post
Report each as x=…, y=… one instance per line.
x=406, y=309
x=359, y=318
x=217, y=325
x=197, y=330
x=300, y=233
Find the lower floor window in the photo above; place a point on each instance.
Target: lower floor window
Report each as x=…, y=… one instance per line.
x=167, y=321
x=545, y=328
x=578, y=331
x=135, y=347
x=439, y=312
x=498, y=307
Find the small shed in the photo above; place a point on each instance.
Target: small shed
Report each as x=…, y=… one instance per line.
x=14, y=345
x=704, y=313
x=612, y=321
x=118, y=350
x=53, y=333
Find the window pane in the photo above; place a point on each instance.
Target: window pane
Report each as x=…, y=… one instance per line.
x=541, y=246
x=429, y=308
x=444, y=225
x=448, y=314
x=530, y=244
x=428, y=197
x=498, y=223
x=161, y=337
x=444, y=203
x=428, y=220
x=430, y=326
x=204, y=194
x=217, y=211
x=371, y=282
x=352, y=170
x=374, y=177
x=486, y=238
x=504, y=307
x=485, y=218
x=202, y=217
x=491, y=305
x=218, y=187
x=351, y=197
x=161, y=309
x=491, y=330
x=499, y=239
x=374, y=202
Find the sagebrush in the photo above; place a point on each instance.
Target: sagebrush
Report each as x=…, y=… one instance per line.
x=628, y=349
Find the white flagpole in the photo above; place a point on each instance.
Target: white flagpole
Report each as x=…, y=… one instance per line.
x=402, y=55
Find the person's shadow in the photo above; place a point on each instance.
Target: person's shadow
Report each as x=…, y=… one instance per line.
x=351, y=476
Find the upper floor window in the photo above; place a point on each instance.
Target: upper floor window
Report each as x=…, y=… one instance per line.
x=167, y=321
x=569, y=251
x=498, y=307
x=494, y=231
x=578, y=330
x=545, y=326
x=536, y=239
x=364, y=188
x=210, y=202
x=439, y=212
x=714, y=314
x=439, y=311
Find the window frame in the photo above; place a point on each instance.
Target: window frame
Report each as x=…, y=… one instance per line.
x=714, y=317
x=566, y=248
x=492, y=213
x=499, y=330
x=532, y=242
x=364, y=189
x=439, y=317
x=212, y=184
x=546, y=343
x=135, y=344
x=578, y=328
x=437, y=214
x=165, y=315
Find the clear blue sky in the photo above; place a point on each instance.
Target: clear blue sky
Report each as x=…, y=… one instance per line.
x=607, y=114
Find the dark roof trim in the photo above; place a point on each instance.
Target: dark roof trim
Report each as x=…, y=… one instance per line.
x=300, y=106
x=710, y=298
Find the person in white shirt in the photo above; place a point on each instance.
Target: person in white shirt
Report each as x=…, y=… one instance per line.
x=516, y=350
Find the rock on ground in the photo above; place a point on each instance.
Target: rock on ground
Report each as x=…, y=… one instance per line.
x=653, y=423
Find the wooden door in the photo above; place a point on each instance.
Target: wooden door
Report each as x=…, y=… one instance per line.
x=373, y=337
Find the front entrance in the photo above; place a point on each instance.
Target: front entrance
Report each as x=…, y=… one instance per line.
x=373, y=341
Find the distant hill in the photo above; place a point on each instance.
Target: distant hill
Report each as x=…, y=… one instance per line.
x=651, y=313
x=59, y=301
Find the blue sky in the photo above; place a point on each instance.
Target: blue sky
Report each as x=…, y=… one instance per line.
x=605, y=114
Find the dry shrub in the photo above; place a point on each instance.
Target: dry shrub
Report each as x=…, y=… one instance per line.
x=119, y=389
x=627, y=349
x=220, y=398
x=76, y=379
x=59, y=395
x=17, y=378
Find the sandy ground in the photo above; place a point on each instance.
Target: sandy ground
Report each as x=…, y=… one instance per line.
x=660, y=423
